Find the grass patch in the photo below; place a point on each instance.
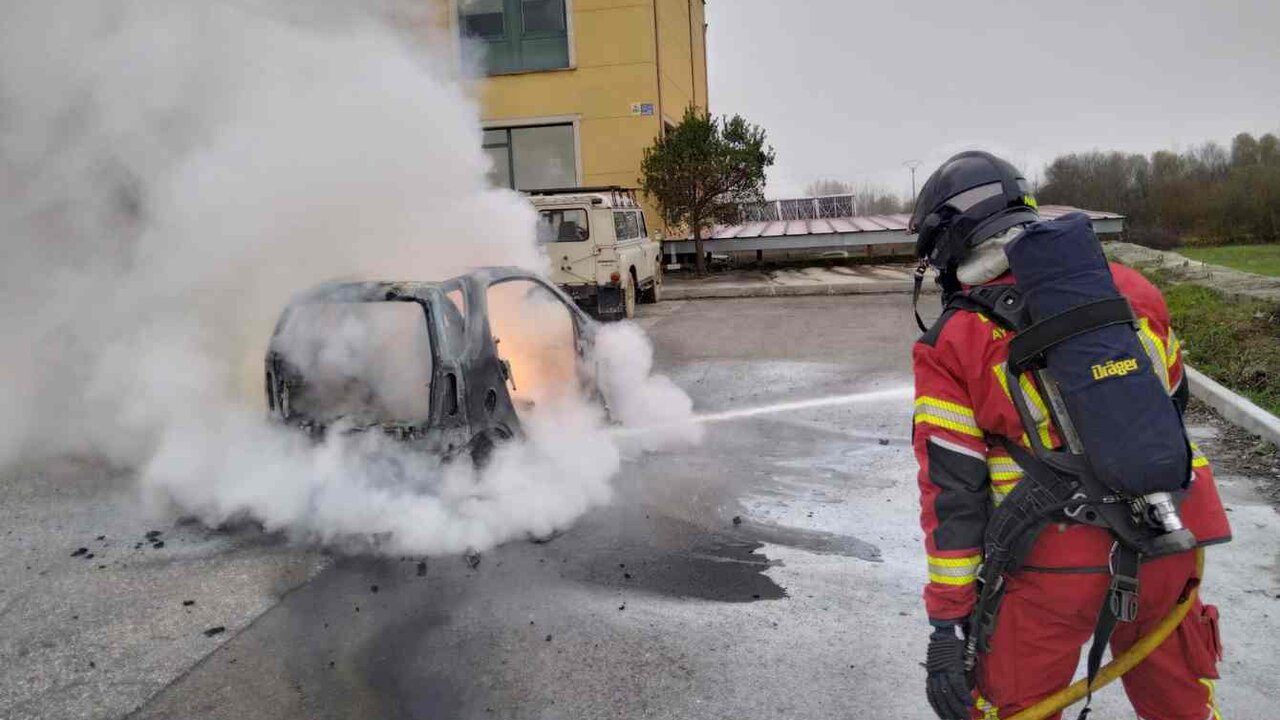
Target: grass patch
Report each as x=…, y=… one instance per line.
x=1259, y=259
x=1233, y=341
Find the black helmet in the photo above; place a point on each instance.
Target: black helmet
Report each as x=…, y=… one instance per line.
x=974, y=196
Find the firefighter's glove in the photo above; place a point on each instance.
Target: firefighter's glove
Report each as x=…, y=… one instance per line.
x=947, y=685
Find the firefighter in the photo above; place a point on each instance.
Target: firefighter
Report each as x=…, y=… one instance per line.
x=967, y=212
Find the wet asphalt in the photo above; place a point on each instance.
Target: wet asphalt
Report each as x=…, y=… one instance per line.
x=584, y=625
x=772, y=571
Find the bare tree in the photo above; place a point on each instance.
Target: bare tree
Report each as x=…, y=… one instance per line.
x=828, y=186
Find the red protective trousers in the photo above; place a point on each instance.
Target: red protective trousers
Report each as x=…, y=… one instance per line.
x=1046, y=618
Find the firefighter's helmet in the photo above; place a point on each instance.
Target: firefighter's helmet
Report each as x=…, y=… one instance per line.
x=971, y=198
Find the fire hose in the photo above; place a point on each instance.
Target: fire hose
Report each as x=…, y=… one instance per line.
x=1126, y=661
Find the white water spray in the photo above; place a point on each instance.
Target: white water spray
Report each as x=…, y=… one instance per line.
x=901, y=393
x=873, y=396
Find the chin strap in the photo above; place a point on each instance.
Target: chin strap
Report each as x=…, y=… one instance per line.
x=921, y=269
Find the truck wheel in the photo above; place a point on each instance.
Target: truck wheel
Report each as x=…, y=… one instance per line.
x=654, y=292
x=629, y=295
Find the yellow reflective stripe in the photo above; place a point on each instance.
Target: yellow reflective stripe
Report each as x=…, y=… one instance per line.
x=1212, y=702
x=1155, y=350
x=1175, y=347
x=948, y=580
x=1039, y=411
x=949, y=424
x=989, y=711
x=1198, y=458
x=969, y=561
x=954, y=571
x=1000, y=492
x=948, y=415
x=933, y=402
x=1002, y=463
x=1004, y=474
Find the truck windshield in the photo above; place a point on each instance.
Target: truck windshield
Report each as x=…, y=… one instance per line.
x=563, y=225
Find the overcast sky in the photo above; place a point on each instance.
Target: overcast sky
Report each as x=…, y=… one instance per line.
x=850, y=89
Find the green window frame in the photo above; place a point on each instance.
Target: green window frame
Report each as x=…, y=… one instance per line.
x=518, y=35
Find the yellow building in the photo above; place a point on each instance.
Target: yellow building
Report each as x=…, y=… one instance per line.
x=577, y=89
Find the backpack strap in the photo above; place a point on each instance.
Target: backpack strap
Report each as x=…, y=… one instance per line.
x=1028, y=346
x=1002, y=303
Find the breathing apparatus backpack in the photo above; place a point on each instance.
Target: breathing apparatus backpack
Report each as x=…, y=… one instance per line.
x=1124, y=458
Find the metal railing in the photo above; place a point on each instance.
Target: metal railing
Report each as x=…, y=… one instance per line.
x=811, y=208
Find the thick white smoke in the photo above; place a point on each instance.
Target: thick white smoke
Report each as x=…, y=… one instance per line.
x=172, y=172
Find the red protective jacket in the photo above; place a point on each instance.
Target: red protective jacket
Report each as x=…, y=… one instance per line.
x=961, y=405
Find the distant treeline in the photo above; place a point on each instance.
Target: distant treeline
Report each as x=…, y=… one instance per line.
x=1206, y=195
x=868, y=198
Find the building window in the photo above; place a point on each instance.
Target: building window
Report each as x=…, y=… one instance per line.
x=518, y=35
x=532, y=158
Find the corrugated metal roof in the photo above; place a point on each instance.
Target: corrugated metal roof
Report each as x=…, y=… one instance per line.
x=861, y=223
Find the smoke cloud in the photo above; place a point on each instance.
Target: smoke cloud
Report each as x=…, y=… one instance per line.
x=173, y=171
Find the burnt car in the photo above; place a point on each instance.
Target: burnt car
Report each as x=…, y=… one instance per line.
x=449, y=366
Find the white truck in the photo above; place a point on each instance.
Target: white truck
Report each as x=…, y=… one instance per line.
x=600, y=250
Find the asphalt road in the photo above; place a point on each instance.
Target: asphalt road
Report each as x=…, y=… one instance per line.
x=657, y=606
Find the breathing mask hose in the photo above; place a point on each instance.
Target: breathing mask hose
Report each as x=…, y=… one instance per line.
x=1125, y=662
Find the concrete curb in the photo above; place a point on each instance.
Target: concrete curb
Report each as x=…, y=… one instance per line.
x=1235, y=409
x=704, y=292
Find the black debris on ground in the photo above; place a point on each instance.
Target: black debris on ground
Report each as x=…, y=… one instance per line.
x=623, y=606
x=89, y=556
x=330, y=663
x=79, y=551
x=152, y=535
x=422, y=569
x=626, y=576
x=1237, y=452
x=101, y=537
x=883, y=441
x=157, y=545
x=473, y=560
x=214, y=631
x=188, y=603
x=548, y=638
x=137, y=546
x=92, y=664
x=373, y=589
x=737, y=519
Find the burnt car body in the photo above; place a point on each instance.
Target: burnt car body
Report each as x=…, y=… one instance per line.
x=471, y=406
